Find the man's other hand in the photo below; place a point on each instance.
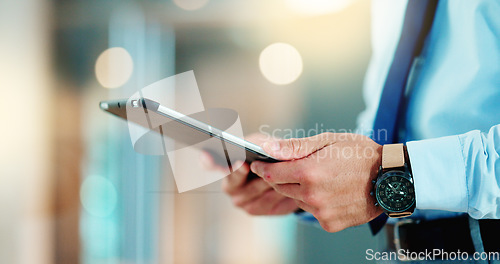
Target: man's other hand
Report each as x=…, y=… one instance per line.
x=255, y=196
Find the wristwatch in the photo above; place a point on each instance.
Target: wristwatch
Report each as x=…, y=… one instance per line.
x=394, y=189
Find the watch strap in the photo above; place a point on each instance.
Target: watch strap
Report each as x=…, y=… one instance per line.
x=399, y=214
x=393, y=156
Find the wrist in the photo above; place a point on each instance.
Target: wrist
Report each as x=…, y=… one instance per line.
x=376, y=163
x=394, y=189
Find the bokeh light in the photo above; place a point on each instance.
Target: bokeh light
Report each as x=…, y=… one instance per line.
x=317, y=7
x=190, y=4
x=114, y=67
x=280, y=63
x=98, y=196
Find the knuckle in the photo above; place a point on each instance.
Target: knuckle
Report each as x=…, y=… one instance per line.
x=308, y=175
x=330, y=227
x=327, y=227
x=311, y=198
x=323, y=215
x=295, y=145
x=252, y=209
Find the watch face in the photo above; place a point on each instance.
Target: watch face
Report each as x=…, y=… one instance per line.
x=395, y=192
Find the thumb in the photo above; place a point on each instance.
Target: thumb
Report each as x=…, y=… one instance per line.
x=297, y=148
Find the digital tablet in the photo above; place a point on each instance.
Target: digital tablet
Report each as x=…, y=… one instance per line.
x=192, y=130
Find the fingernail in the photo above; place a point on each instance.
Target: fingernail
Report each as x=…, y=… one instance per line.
x=237, y=164
x=254, y=167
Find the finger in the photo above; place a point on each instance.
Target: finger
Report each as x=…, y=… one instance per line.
x=207, y=161
x=279, y=173
x=237, y=179
x=264, y=204
x=291, y=190
x=250, y=192
x=258, y=138
x=297, y=148
x=285, y=206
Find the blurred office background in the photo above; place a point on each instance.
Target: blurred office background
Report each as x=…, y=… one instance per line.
x=72, y=188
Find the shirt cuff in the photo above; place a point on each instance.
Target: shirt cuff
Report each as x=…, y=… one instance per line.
x=438, y=170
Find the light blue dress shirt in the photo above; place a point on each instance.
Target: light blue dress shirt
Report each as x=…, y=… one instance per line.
x=453, y=110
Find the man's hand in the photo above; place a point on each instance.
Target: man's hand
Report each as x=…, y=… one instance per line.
x=255, y=196
x=328, y=175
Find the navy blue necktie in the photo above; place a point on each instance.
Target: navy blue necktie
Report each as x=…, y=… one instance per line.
x=417, y=23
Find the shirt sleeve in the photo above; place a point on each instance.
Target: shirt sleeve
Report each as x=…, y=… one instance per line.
x=458, y=173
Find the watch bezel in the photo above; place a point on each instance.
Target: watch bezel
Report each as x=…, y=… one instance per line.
x=389, y=173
